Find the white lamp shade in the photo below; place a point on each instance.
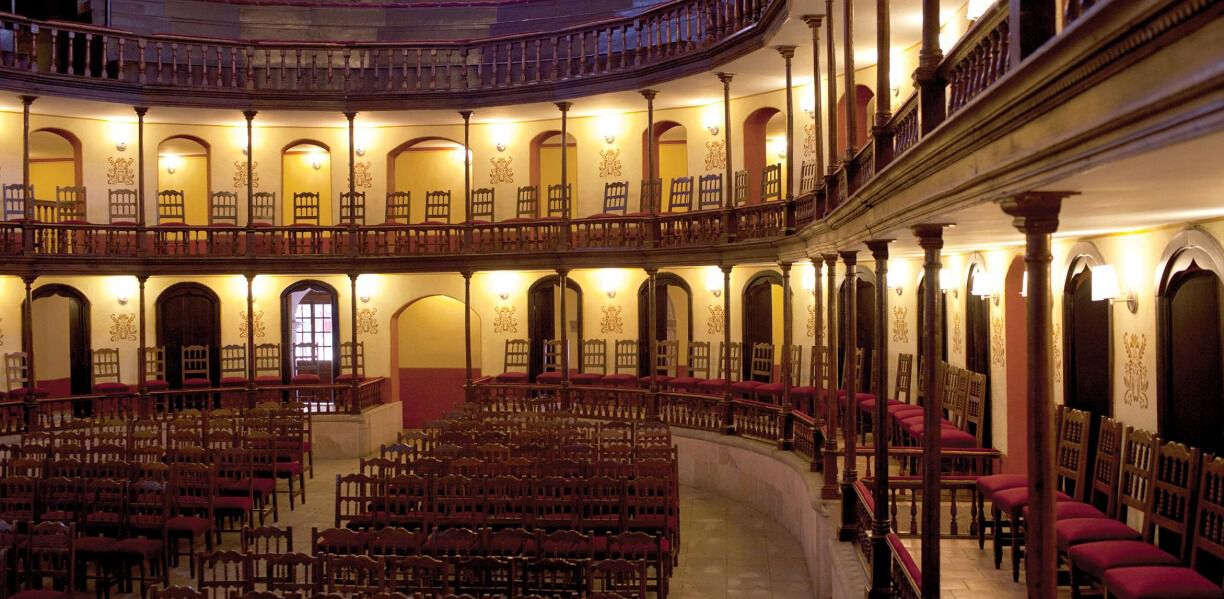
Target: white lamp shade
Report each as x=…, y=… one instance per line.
x=1105, y=283
x=1024, y=285
x=981, y=284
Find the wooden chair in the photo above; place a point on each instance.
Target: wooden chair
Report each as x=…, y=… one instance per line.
x=171, y=207
x=399, y=208
x=17, y=376
x=740, y=188
x=559, y=201
x=483, y=205
x=268, y=364
x=191, y=512
x=710, y=192
x=290, y=572
x=233, y=366
x=154, y=365
x=771, y=183
x=70, y=205
x=351, y=574
x=527, y=203
x=49, y=561
x=306, y=368
x=717, y=385
x=347, y=359
x=807, y=178
x=352, y=208
x=123, y=206
x=615, y=198
x=263, y=209
x=15, y=201
x=760, y=370
x=698, y=367
x=667, y=362
x=438, y=207
x=306, y=209
x=594, y=362
x=104, y=374
x=225, y=573
x=551, y=362
x=680, y=195
x=195, y=367
x=624, y=364
x=517, y=356
x=223, y=209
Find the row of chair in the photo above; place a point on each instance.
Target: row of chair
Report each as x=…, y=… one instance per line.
x=183, y=592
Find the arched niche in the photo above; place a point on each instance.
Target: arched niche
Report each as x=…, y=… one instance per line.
x=670, y=151
x=862, y=101
x=673, y=317
x=188, y=314
x=545, y=167
x=764, y=144
x=184, y=164
x=55, y=162
x=762, y=316
x=62, y=341
x=426, y=164
x=544, y=299
x=310, y=330
x=306, y=168
x=429, y=377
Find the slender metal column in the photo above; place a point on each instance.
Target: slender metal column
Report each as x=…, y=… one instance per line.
x=729, y=198
x=250, y=220
x=650, y=94
x=26, y=195
x=830, y=490
x=786, y=439
x=563, y=280
x=788, y=54
x=850, y=375
x=729, y=416
x=817, y=332
x=881, y=557
x=467, y=177
x=250, y=336
x=141, y=111
x=142, y=346
x=564, y=107
x=352, y=195
x=353, y=337
x=27, y=347
x=652, y=331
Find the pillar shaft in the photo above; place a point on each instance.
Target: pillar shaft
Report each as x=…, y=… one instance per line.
x=140, y=168
x=831, y=51
x=729, y=187
x=467, y=334
x=848, y=69
x=881, y=557
x=850, y=376
x=830, y=490
x=813, y=22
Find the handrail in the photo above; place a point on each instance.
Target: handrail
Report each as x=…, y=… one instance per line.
x=979, y=59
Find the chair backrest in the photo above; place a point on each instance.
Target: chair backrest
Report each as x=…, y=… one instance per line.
x=1135, y=476
x=1174, y=488
x=1071, y=458
x=761, y=368
x=1106, y=465
x=154, y=363
x=975, y=404
x=123, y=206
x=1208, y=536
x=595, y=356
x=559, y=200
x=527, y=202
x=736, y=351
x=438, y=206
x=104, y=366
x=518, y=355
x=552, y=355
x=710, y=192
x=14, y=200
x=233, y=361
x=399, y=207
x=171, y=207
x=263, y=207
x=306, y=208
x=667, y=356
x=820, y=367
x=306, y=359
x=195, y=361
x=807, y=178
x=352, y=208
x=483, y=204
x=771, y=183
x=626, y=358
x=740, y=188
x=650, y=195
x=796, y=364
x=223, y=208
x=267, y=360
x=699, y=359
x=616, y=197
x=347, y=356
x=16, y=370
x=680, y=195
x=70, y=204
x=905, y=377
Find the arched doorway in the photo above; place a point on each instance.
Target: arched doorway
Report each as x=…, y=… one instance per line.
x=61, y=340
x=430, y=376
x=546, y=165
x=977, y=339
x=310, y=330
x=673, y=317
x=670, y=151
x=183, y=164
x=762, y=316
x=764, y=144
x=864, y=318
x=862, y=106
x=427, y=164
x=306, y=168
x=1087, y=339
x=55, y=162
x=1015, y=315
x=544, y=319
x=188, y=314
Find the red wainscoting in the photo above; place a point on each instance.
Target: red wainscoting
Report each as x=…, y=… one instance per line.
x=57, y=387
x=429, y=393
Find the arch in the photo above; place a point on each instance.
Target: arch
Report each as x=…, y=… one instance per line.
x=543, y=315
x=760, y=325
x=69, y=353
x=424, y=164
x=1087, y=338
x=1015, y=412
x=298, y=175
x=545, y=166
x=668, y=287
x=1190, y=245
x=436, y=386
x=670, y=150
x=191, y=159
x=756, y=129
x=55, y=160
x=188, y=314
x=308, y=326
x=1084, y=254
x=862, y=96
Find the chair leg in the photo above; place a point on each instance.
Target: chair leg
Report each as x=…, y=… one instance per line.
x=981, y=529
x=1017, y=539
x=997, y=536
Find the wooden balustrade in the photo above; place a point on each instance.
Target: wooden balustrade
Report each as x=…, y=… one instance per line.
x=979, y=59
x=702, y=412
x=809, y=438
x=905, y=126
x=756, y=420
x=689, y=229
x=864, y=167
x=905, y=505
x=608, y=232
x=760, y=221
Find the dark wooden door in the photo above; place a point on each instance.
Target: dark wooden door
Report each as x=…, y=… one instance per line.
x=78, y=346
x=758, y=321
x=660, y=322
x=864, y=329
x=541, y=325
x=188, y=315
x=977, y=351
x=1192, y=410
x=1087, y=349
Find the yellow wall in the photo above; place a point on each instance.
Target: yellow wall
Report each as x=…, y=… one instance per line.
x=51, y=341
x=46, y=176
x=190, y=177
x=550, y=174
x=300, y=176
x=673, y=162
x=422, y=170
x=438, y=319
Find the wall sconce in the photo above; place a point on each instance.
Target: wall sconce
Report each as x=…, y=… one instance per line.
x=122, y=299
x=503, y=294
x=609, y=138
x=501, y=146
x=946, y=285
x=244, y=150
x=610, y=281
x=1105, y=287
x=359, y=150
x=316, y=162
x=893, y=280
x=982, y=286
x=713, y=129
x=365, y=298
x=170, y=169
x=121, y=146
x=714, y=281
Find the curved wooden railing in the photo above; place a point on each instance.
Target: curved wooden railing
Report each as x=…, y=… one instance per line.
x=198, y=71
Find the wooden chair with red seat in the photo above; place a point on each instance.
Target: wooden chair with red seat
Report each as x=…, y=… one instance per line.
x=507, y=501
x=234, y=366
x=771, y=183
x=338, y=541
x=1094, y=548
x=195, y=368
x=617, y=577
x=775, y=388
x=1207, y=537
x=263, y=543
x=394, y=541
x=225, y=573
x=666, y=363
x=289, y=433
x=123, y=206
x=555, y=504
x=902, y=392
x=409, y=497
x=760, y=372
x=648, y=548
x=351, y=360
x=710, y=192
x=49, y=562
x=154, y=364
x=551, y=362
x=698, y=368
x=304, y=233
x=306, y=369
x=59, y=499
x=268, y=364
x=17, y=377
x=516, y=361
x=717, y=385
x=434, y=239
x=952, y=381
x=290, y=573
x=353, y=575
x=147, y=544
x=483, y=206
x=601, y=505
x=104, y=373
x=236, y=502
x=680, y=195
x=263, y=209
x=966, y=397
x=223, y=223
x=169, y=235
x=652, y=506
x=18, y=496
x=192, y=509
x=594, y=363
x=352, y=208
x=70, y=210
x=624, y=364
x=103, y=502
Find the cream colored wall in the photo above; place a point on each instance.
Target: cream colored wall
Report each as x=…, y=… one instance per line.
x=421, y=170
x=299, y=176
x=51, y=356
x=189, y=177
x=440, y=320
x=45, y=176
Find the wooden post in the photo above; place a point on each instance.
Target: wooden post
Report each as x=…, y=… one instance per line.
x=788, y=54
x=786, y=437
x=729, y=415
x=352, y=248
x=143, y=332
x=930, y=238
x=850, y=375
x=882, y=132
x=250, y=222
x=26, y=194
x=467, y=182
x=932, y=107
x=355, y=407
x=1036, y=215
x=563, y=280
x=817, y=332
x=830, y=489
x=27, y=346
x=1030, y=24
x=813, y=22
x=565, y=217
x=652, y=332
x=467, y=333
x=848, y=70
x=653, y=208
x=141, y=111
x=881, y=557
x=831, y=51
x=729, y=186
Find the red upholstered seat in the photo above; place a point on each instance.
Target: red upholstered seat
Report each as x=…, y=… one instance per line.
x=1086, y=530
x=191, y=524
x=803, y=391
x=511, y=377
x=233, y=502
x=156, y=385
x=712, y=386
x=771, y=389
x=233, y=381
x=586, y=378
x=989, y=485
x=903, y=410
x=745, y=387
x=662, y=379
x=916, y=429
x=552, y=377
x=21, y=392
x=111, y=388
x=196, y=383
x=1098, y=557
x=685, y=383
x=1066, y=510
x=954, y=438
x=268, y=379
x=870, y=404
x=139, y=546
x=94, y=544
x=1160, y=582
x=40, y=594
x=1011, y=500
x=620, y=379
x=305, y=379
x=864, y=397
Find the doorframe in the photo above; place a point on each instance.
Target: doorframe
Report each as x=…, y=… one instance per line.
x=72, y=293
x=286, y=321
x=534, y=344
x=214, y=357
x=764, y=277
x=643, y=300
x=1077, y=266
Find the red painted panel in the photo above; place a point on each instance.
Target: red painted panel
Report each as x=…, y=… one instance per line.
x=56, y=388
x=429, y=393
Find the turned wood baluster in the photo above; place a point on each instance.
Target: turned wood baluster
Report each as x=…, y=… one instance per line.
x=952, y=512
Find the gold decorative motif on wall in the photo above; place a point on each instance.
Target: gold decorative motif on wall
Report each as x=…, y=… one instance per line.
x=504, y=321
x=501, y=171
x=811, y=321
x=716, y=155
x=956, y=333
x=367, y=321
x=716, y=321
x=120, y=171
x=1, y=335
x=364, y=178
x=123, y=327
x=1056, y=345
x=240, y=174
x=256, y=322
x=997, y=348
x=900, y=328
x=809, y=140
x=1135, y=377
x=611, y=321
x=609, y=163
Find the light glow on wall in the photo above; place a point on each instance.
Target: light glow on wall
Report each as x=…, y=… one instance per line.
x=503, y=283
x=714, y=280
x=120, y=133
x=608, y=126
x=501, y=134
x=368, y=286
x=123, y=289
x=712, y=117
x=611, y=280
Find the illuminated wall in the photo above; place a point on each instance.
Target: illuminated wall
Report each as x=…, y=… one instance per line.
x=435, y=165
x=300, y=175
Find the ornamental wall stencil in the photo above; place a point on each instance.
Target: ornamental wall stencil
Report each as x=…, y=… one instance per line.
x=956, y=332
x=120, y=171
x=900, y=328
x=1135, y=377
x=611, y=321
x=364, y=178
x=809, y=140
x=1056, y=346
x=716, y=321
x=716, y=155
x=504, y=321
x=609, y=163
x=811, y=321
x=997, y=348
x=123, y=327
x=256, y=322
x=240, y=174
x=1, y=335
x=367, y=321
x=501, y=172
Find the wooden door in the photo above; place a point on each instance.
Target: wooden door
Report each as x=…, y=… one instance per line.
x=541, y=322
x=78, y=341
x=977, y=350
x=758, y=320
x=864, y=329
x=188, y=314
x=1087, y=363
x=1192, y=410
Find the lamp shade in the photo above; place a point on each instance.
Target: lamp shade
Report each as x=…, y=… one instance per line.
x=981, y=284
x=1024, y=285
x=1105, y=283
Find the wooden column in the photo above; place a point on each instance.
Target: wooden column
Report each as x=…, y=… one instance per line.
x=813, y=22
x=563, y=280
x=729, y=186
x=932, y=106
x=355, y=407
x=27, y=196
x=830, y=489
x=467, y=333
x=352, y=194
x=467, y=179
x=786, y=438
x=141, y=111
x=565, y=218
x=848, y=69
x=27, y=346
x=817, y=332
x=143, y=343
x=652, y=333
x=882, y=131
x=831, y=51
x=250, y=221
x=653, y=209
x=1036, y=215
x=788, y=54
x=850, y=388
x=729, y=415
x=1030, y=23
x=250, y=336
x=881, y=557
x=930, y=238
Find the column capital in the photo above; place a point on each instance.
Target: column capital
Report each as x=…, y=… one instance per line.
x=930, y=235
x=141, y=110
x=649, y=94
x=249, y=114
x=725, y=77
x=350, y=115
x=787, y=52
x=879, y=247
x=850, y=257
x=830, y=259
x=250, y=276
x=564, y=106
x=784, y=266
x=29, y=280
x=563, y=272
x=142, y=278
x=466, y=114
x=813, y=21
x=467, y=274
x=353, y=276
x=27, y=100
x=651, y=270
x=726, y=268
x=1035, y=211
